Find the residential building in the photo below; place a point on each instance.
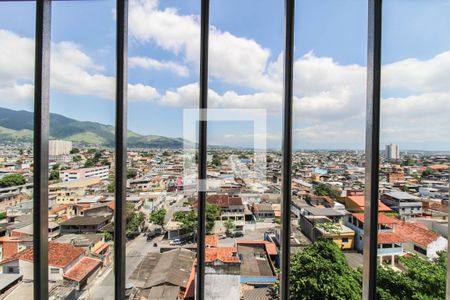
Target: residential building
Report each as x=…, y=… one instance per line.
x=390, y=241
x=392, y=151
x=61, y=257
x=72, y=191
x=263, y=211
x=58, y=147
x=84, y=224
x=101, y=172
x=405, y=204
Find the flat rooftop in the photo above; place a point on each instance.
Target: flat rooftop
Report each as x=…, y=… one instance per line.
x=254, y=261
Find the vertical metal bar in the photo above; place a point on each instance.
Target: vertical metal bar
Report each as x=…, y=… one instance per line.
x=40, y=144
x=372, y=149
x=447, y=292
x=287, y=146
x=121, y=147
x=202, y=150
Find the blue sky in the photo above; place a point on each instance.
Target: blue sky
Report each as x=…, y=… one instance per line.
x=245, y=67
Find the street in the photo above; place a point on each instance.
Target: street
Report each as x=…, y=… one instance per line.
x=103, y=287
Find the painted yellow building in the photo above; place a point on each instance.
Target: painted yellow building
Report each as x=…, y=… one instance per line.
x=342, y=235
x=71, y=192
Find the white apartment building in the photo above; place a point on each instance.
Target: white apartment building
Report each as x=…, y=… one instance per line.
x=77, y=174
x=59, y=147
x=392, y=151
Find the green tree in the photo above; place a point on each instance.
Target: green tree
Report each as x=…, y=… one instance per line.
x=321, y=271
x=111, y=187
x=89, y=163
x=2, y=215
x=105, y=162
x=74, y=151
x=131, y=173
x=54, y=175
x=166, y=153
x=108, y=236
x=188, y=220
x=56, y=167
x=229, y=225
x=12, y=180
x=76, y=158
x=428, y=172
x=216, y=161
x=212, y=213
x=323, y=189
x=157, y=216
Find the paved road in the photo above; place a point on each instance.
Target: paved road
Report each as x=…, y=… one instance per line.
x=170, y=209
x=103, y=287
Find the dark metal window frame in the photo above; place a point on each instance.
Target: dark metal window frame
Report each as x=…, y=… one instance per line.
x=41, y=136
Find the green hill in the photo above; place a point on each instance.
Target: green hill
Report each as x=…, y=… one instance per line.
x=17, y=126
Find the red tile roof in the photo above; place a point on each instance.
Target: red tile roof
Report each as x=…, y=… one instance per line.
x=59, y=255
x=99, y=247
x=271, y=248
x=389, y=238
x=382, y=219
x=211, y=240
x=82, y=269
x=359, y=200
x=416, y=233
x=224, y=254
x=222, y=201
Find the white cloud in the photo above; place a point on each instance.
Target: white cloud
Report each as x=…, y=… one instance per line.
x=71, y=70
x=150, y=63
x=236, y=60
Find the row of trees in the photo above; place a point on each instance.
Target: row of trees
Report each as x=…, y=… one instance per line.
x=321, y=271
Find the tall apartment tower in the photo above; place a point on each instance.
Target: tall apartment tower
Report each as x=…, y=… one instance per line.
x=59, y=147
x=392, y=151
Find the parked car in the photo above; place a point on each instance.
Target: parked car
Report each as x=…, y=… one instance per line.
x=238, y=234
x=222, y=236
x=175, y=242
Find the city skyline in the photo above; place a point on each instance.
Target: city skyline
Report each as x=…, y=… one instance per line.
x=245, y=64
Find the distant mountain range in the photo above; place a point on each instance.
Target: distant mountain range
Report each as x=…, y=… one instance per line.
x=17, y=126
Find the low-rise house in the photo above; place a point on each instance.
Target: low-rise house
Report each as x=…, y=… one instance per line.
x=355, y=204
x=420, y=240
x=83, y=272
x=11, y=199
x=405, y=204
x=390, y=242
x=231, y=207
x=61, y=257
x=263, y=211
x=84, y=224
x=222, y=260
x=257, y=268
x=53, y=231
x=159, y=270
x=72, y=191
x=9, y=246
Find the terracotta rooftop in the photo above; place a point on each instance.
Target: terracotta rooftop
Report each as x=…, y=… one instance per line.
x=382, y=218
x=223, y=201
x=211, y=240
x=59, y=255
x=359, y=200
x=224, y=254
x=271, y=248
x=389, y=238
x=416, y=233
x=82, y=269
